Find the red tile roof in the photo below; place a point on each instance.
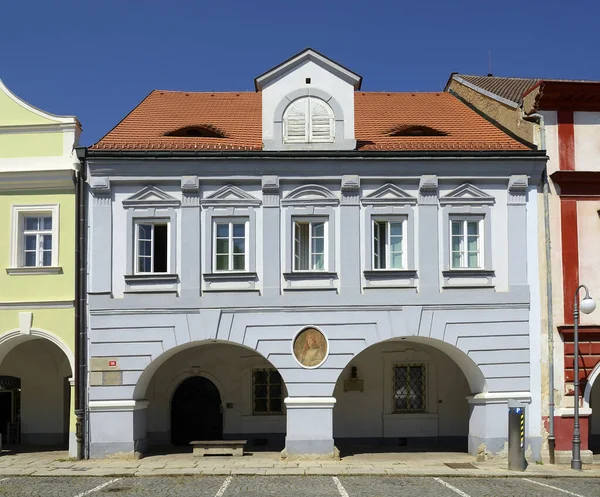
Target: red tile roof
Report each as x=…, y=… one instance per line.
x=238, y=115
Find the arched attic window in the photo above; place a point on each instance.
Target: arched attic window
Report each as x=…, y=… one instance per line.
x=308, y=120
x=203, y=131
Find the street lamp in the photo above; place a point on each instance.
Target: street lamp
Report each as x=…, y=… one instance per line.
x=587, y=306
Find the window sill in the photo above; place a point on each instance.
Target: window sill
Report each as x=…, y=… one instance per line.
x=468, y=278
x=150, y=283
x=310, y=280
x=34, y=270
x=390, y=278
x=411, y=415
x=230, y=276
x=231, y=281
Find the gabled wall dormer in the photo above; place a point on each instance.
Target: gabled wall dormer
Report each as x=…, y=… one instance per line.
x=26, y=131
x=308, y=104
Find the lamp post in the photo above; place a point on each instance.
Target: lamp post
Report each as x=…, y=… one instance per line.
x=587, y=306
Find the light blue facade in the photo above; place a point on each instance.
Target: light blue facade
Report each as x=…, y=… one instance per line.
x=483, y=322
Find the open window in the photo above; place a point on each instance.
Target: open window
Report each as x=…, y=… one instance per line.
x=152, y=247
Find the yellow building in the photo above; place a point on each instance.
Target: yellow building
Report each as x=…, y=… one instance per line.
x=38, y=168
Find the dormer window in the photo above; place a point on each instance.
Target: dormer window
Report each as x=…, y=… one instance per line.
x=308, y=120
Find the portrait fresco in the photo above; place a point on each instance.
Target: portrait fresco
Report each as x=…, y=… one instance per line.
x=310, y=347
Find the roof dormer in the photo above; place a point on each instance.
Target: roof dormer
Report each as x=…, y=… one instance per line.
x=308, y=104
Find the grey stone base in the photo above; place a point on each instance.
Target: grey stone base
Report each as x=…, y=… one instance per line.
x=72, y=444
x=455, y=444
x=58, y=439
x=564, y=457
x=309, y=447
x=482, y=447
x=135, y=449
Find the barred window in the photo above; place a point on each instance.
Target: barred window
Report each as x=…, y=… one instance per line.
x=409, y=388
x=267, y=392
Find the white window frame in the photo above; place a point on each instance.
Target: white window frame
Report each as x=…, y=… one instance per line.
x=310, y=222
x=230, y=221
x=374, y=222
x=464, y=254
x=308, y=123
x=152, y=221
x=19, y=213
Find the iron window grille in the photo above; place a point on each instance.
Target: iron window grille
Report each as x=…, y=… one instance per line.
x=267, y=392
x=409, y=388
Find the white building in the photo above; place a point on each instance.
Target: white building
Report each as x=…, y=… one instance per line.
x=394, y=227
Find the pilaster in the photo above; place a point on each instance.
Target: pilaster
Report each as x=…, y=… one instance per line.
x=271, y=225
x=517, y=231
x=100, y=241
x=189, y=275
x=309, y=426
x=428, y=243
x=349, y=270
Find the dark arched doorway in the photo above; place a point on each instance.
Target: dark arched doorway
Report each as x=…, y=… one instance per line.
x=196, y=412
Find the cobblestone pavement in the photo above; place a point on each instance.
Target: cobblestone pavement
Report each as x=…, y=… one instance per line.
x=298, y=486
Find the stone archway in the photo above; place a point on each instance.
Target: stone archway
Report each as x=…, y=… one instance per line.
x=41, y=403
x=405, y=393
x=249, y=388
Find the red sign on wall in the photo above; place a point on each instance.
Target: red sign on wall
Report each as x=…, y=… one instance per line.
x=112, y=364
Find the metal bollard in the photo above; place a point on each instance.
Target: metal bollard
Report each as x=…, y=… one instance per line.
x=516, y=436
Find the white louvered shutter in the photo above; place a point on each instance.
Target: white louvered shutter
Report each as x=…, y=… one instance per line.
x=321, y=122
x=295, y=122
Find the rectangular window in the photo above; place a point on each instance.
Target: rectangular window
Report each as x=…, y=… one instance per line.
x=230, y=252
x=152, y=253
x=309, y=246
x=267, y=392
x=409, y=388
x=465, y=244
x=388, y=245
x=37, y=240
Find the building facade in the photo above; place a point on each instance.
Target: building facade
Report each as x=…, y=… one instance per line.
x=37, y=289
x=309, y=266
x=563, y=118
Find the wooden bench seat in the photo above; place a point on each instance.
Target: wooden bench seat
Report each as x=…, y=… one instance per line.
x=218, y=447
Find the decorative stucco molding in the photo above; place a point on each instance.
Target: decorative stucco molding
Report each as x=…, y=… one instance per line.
x=190, y=184
x=467, y=194
x=270, y=191
x=100, y=185
x=350, y=189
x=151, y=196
x=310, y=195
x=517, y=190
x=389, y=194
x=428, y=189
x=230, y=195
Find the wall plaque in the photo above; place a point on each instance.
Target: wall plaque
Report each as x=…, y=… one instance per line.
x=310, y=348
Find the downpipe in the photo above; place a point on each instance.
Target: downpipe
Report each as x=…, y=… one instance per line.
x=550, y=321
x=80, y=311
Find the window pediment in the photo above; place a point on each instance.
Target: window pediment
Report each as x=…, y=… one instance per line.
x=389, y=194
x=151, y=196
x=310, y=195
x=467, y=194
x=230, y=195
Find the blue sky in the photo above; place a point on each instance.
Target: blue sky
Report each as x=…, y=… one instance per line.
x=98, y=58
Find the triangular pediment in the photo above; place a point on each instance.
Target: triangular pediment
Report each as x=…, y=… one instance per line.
x=389, y=194
x=310, y=195
x=306, y=55
x=230, y=195
x=151, y=196
x=467, y=194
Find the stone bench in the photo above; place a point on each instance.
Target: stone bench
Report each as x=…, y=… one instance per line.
x=219, y=447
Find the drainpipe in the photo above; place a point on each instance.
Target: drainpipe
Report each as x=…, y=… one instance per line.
x=550, y=323
x=80, y=310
